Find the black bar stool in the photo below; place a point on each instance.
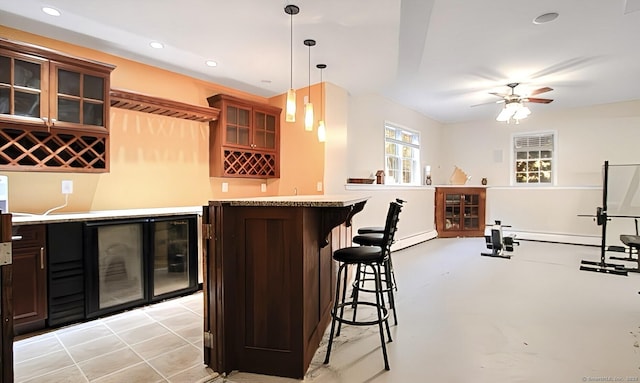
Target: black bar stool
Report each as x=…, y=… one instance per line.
x=373, y=258
x=374, y=236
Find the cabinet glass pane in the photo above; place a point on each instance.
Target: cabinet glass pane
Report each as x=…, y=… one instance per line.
x=271, y=123
x=4, y=101
x=171, y=254
x=92, y=114
x=243, y=117
x=27, y=74
x=68, y=83
x=93, y=87
x=232, y=115
x=271, y=140
x=471, y=223
x=232, y=134
x=471, y=199
x=69, y=110
x=260, y=121
x=5, y=70
x=259, y=140
x=27, y=104
x=452, y=198
x=243, y=136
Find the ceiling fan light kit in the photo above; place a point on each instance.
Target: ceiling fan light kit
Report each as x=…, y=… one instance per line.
x=514, y=104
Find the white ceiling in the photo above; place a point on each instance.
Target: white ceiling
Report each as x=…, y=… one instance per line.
x=438, y=57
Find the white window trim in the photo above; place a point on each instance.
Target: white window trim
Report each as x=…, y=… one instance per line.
x=417, y=170
x=554, y=159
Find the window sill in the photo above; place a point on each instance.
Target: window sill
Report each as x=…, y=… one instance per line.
x=387, y=187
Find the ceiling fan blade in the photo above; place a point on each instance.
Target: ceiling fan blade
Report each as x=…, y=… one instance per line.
x=487, y=103
x=541, y=90
x=503, y=95
x=539, y=100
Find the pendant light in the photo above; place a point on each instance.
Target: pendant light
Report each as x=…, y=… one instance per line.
x=291, y=94
x=322, y=130
x=308, y=107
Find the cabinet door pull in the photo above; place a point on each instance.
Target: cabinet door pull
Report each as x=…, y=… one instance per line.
x=42, y=258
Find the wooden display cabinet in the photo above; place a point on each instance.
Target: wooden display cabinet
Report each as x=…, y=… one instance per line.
x=29, y=278
x=245, y=140
x=460, y=211
x=54, y=110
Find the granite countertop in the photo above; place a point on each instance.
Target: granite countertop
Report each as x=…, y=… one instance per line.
x=25, y=219
x=328, y=200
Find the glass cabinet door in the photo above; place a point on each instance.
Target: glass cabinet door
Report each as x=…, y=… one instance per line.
x=264, y=135
x=80, y=98
x=452, y=212
x=471, y=211
x=170, y=256
x=237, y=127
x=21, y=78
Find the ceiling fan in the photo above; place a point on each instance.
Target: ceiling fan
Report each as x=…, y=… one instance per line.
x=515, y=107
x=513, y=97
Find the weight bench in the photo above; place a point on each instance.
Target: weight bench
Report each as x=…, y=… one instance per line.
x=498, y=243
x=633, y=243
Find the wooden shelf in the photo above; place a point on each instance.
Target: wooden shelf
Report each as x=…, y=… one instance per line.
x=125, y=99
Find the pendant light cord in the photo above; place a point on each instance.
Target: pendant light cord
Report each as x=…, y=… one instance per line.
x=291, y=54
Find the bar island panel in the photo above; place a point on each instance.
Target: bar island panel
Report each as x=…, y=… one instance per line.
x=269, y=280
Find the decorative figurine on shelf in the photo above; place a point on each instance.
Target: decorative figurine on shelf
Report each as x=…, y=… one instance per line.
x=459, y=177
x=380, y=177
x=427, y=175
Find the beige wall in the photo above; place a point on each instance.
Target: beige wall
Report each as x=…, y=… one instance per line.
x=162, y=161
x=586, y=137
x=367, y=114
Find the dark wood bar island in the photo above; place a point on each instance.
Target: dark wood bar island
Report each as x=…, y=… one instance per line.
x=268, y=280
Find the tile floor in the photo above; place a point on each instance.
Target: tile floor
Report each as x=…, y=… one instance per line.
x=158, y=343
x=463, y=317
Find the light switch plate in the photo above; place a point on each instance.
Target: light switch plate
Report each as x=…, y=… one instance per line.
x=263, y=187
x=225, y=187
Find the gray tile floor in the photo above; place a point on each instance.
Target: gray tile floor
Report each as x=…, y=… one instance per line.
x=462, y=318
x=158, y=343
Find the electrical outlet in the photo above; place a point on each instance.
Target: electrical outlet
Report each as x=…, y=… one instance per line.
x=67, y=186
x=225, y=187
x=319, y=186
x=263, y=187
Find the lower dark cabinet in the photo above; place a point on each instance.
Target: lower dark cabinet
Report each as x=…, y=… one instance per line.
x=66, y=273
x=29, y=278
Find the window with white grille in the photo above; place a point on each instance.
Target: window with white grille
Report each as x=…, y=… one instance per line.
x=402, y=154
x=534, y=158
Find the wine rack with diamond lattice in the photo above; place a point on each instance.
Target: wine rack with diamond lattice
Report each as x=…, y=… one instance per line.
x=32, y=150
x=238, y=163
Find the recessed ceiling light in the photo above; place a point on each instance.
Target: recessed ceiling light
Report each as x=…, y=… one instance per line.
x=211, y=63
x=157, y=45
x=545, y=18
x=51, y=11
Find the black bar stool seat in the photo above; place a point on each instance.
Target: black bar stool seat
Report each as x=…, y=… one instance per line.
x=364, y=257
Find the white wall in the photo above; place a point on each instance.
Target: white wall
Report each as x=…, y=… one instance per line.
x=365, y=155
x=335, y=150
x=586, y=137
x=367, y=115
x=417, y=223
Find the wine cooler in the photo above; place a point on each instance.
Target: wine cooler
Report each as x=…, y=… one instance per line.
x=138, y=261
